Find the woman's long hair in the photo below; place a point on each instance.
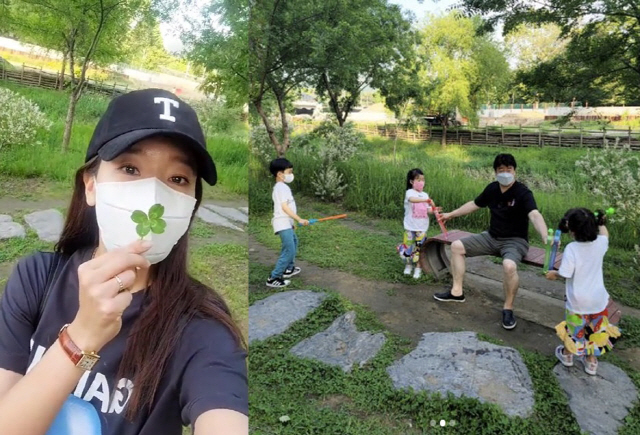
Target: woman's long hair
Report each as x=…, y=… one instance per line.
x=157, y=330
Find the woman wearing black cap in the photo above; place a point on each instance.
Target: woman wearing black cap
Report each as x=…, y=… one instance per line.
x=110, y=335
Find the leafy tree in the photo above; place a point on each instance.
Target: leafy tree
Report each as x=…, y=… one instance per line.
x=144, y=46
x=457, y=68
x=604, y=38
x=531, y=45
x=86, y=31
x=336, y=46
x=355, y=43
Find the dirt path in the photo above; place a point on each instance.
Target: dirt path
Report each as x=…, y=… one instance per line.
x=410, y=311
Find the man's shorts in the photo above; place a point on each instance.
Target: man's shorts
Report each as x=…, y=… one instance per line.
x=513, y=248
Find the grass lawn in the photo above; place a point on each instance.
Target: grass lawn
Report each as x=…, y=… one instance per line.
x=319, y=399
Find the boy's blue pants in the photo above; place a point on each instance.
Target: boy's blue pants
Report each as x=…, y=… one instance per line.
x=287, y=254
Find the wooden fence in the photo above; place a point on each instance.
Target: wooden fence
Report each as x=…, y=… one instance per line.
x=500, y=136
x=28, y=76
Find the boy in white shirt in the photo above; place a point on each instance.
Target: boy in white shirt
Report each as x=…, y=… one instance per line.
x=284, y=215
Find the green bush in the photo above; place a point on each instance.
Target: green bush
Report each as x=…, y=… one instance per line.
x=216, y=117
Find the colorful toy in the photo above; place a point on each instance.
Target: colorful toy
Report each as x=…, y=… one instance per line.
x=554, y=250
x=313, y=221
x=547, y=254
x=608, y=212
x=436, y=212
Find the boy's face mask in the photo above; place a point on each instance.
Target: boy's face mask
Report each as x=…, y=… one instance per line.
x=288, y=178
x=116, y=201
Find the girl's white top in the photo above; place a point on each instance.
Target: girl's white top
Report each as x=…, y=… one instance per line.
x=415, y=217
x=582, y=267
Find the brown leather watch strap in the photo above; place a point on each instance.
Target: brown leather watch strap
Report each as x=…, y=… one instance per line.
x=83, y=360
x=69, y=346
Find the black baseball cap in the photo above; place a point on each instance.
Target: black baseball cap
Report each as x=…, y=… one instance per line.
x=138, y=115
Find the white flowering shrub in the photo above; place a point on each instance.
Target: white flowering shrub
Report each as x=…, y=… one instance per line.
x=337, y=143
x=328, y=183
x=20, y=120
x=613, y=173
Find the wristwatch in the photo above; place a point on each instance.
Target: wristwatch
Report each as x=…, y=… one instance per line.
x=81, y=359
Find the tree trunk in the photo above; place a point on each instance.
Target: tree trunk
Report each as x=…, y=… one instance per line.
x=265, y=120
x=333, y=100
x=63, y=69
x=284, y=146
x=444, y=131
x=72, y=68
x=71, y=112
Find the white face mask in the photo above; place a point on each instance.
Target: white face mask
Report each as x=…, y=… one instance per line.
x=288, y=178
x=504, y=178
x=116, y=201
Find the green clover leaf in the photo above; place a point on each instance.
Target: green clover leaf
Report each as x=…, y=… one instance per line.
x=152, y=222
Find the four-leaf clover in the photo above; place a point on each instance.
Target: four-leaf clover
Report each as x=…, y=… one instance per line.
x=152, y=222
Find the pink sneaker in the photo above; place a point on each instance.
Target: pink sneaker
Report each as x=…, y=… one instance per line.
x=566, y=360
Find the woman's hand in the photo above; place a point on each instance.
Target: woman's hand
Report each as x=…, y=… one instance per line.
x=99, y=317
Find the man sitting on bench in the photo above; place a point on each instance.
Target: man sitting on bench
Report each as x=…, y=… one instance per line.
x=512, y=206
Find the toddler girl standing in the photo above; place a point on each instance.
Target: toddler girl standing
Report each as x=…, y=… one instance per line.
x=586, y=331
x=416, y=221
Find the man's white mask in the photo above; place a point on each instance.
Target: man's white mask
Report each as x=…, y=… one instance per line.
x=116, y=202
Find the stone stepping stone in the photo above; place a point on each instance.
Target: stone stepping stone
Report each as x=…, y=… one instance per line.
x=228, y=212
x=244, y=210
x=10, y=229
x=47, y=224
x=600, y=403
x=459, y=363
x=341, y=344
x=275, y=314
x=215, y=219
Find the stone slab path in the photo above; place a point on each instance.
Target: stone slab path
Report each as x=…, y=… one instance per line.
x=341, y=344
x=600, y=403
x=275, y=314
x=459, y=363
x=449, y=362
x=10, y=229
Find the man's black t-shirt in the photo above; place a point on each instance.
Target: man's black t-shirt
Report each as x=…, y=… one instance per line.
x=206, y=371
x=509, y=210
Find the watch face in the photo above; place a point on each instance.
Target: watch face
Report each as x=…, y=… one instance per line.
x=88, y=361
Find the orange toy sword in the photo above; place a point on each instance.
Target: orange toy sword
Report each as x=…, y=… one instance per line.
x=436, y=212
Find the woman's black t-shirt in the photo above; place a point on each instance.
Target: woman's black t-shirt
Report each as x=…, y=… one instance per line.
x=207, y=370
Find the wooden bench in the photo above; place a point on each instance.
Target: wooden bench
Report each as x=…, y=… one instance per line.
x=434, y=260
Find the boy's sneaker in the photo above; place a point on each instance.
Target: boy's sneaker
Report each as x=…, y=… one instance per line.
x=417, y=273
x=277, y=282
x=448, y=297
x=407, y=269
x=291, y=272
x=508, y=320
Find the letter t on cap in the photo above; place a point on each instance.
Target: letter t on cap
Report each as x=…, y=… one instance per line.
x=167, y=107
